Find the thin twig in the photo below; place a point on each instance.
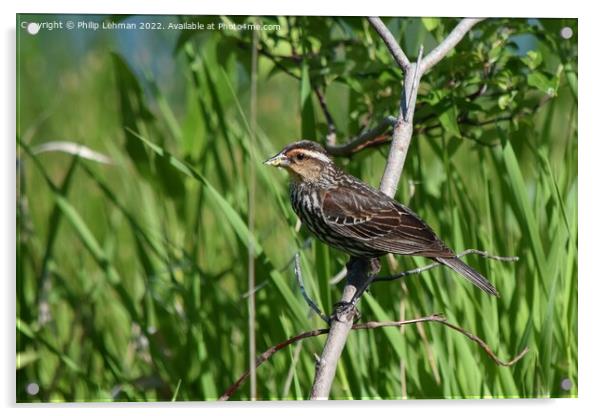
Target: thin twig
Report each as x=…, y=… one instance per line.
x=406, y=273
x=437, y=318
x=266, y=356
x=391, y=43
x=331, y=136
x=365, y=139
x=413, y=86
x=309, y=301
x=448, y=44
x=371, y=138
x=436, y=264
x=274, y=58
x=486, y=347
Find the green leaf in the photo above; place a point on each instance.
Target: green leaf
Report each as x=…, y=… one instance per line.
x=181, y=166
x=233, y=218
x=532, y=59
x=571, y=77
x=82, y=229
x=25, y=358
x=449, y=121
x=505, y=100
x=522, y=198
x=177, y=390
x=431, y=23
x=224, y=206
x=542, y=83
x=25, y=329
x=169, y=179
x=134, y=112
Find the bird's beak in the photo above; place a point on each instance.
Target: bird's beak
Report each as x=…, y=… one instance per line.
x=279, y=160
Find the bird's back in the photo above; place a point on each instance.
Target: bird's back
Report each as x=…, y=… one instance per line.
x=362, y=221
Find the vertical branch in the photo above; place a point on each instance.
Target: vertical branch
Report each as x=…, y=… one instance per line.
x=251, y=218
x=359, y=270
x=339, y=330
x=402, y=132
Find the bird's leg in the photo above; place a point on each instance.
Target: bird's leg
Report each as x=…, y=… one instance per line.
x=361, y=272
x=374, y=268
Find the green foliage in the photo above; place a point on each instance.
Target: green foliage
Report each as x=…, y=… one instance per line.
x=131, y=277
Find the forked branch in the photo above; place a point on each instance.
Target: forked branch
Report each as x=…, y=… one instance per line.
x=413, y=74
x=401, y=137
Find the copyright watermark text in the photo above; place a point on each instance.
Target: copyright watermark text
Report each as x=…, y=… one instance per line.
x=34, y=28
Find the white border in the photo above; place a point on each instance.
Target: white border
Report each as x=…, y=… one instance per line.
x=590, y=285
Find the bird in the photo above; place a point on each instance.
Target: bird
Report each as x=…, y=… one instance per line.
x=352, y=216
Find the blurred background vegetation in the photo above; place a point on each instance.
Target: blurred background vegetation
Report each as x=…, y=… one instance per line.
x=132, y=275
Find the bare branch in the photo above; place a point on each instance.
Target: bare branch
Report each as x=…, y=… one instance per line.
x=266, y=356
x=359, y=270
x=487, y=255
x=371, y=325
x=401, y=275
x=363, y=140
x=276, y=61
x=448, y=44
x=486, y=347
x=386, y=35
x=405, y=105
x=402, y=133
x=437, y=264
x=309, y=301
x=331, y=136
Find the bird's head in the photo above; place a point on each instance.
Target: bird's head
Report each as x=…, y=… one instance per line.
x=304, y=160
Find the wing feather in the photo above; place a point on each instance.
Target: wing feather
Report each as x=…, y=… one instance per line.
x=379, y=222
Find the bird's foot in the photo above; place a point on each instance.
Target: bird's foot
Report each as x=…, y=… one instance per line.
x=345, y=312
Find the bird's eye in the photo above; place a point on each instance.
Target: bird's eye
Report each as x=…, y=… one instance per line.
x=300, y=156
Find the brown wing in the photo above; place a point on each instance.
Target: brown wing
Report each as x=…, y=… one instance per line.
x=380, y=222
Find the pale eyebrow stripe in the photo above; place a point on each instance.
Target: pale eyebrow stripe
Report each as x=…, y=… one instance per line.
x=316, y=155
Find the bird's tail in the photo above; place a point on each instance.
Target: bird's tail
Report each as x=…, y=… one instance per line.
x=469, y=273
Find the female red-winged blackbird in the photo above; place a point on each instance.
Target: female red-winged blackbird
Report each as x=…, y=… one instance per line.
x=352, y=216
